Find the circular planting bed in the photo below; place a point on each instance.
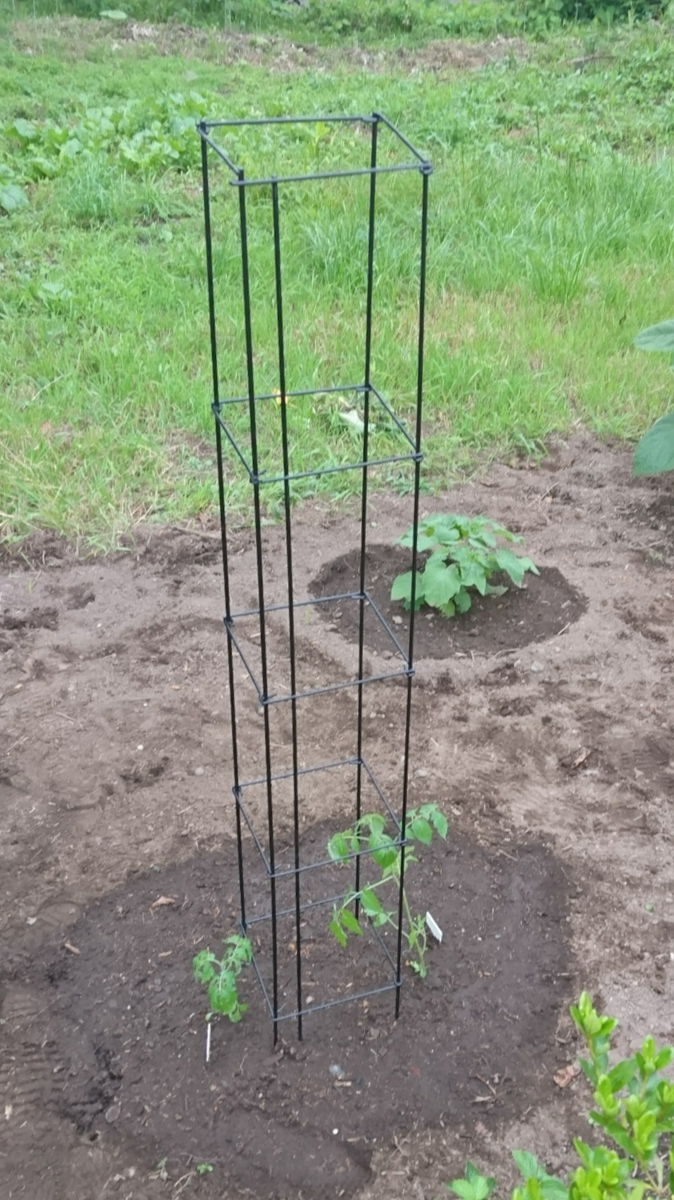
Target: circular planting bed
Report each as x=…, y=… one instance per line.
x=543, y=607
x=128, y=1031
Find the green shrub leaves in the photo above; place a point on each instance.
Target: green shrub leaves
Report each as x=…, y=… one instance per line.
x=464, y=556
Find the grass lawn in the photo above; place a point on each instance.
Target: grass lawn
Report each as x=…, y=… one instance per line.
x=551, y=243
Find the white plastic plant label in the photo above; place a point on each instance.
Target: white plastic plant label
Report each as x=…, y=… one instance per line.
x=434, y=927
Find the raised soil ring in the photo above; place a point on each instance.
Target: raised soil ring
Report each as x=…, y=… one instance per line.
x=541, y=609
x=127, y=1029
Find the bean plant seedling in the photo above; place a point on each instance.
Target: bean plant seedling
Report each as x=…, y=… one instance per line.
x=633, y=1110
x=219, y=975
x=369, y=833
x=464, y=556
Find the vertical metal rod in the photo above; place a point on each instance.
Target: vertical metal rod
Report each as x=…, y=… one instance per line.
x=260, y=588
x=291, y=594
x=223, y=517
x=425, y=172
x=363, y=514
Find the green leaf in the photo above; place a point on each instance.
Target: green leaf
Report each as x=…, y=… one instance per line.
x=513, y=566
x=371, y=905
x=12, y=198
x=554, y=1189
x=337, y=931
x=24, y=130
x=421, y=831
x=473, y=574
x=202, y=966
x=383, y=852
x=656, y=337
x=473, y=1186
x=51, y=292
x=222, y=995
x=114, y=14
x=338, y=847
x=528, y=1165
x=463, y=601
x=622, y=1073
x=402, y=587
x=621, y=1137
x=349, y=921
x=438, y=820
x=654, y=452
x=374, y=822
x=441, y=583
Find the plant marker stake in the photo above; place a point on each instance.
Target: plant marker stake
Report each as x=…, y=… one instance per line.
x=208, y=1040
x=434, y=927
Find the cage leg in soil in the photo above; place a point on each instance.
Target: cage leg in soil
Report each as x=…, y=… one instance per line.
x=337, y=198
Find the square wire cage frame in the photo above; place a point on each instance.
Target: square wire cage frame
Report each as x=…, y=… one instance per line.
x=277, y=882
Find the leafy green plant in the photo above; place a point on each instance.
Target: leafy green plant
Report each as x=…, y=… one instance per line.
x=634, y=1106
x=369, y=834
x=464, y=555
x=654, y=452
x=219, y=975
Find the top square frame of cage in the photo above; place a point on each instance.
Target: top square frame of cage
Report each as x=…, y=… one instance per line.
x=207, y=129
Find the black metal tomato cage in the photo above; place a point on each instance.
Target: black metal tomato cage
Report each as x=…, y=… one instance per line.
x=273, y=784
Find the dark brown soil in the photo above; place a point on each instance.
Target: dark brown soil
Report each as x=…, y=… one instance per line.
x=128, y=1029
x=552, y=761
x=542, y=608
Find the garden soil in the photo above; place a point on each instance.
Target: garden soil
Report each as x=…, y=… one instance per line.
x=541, y=727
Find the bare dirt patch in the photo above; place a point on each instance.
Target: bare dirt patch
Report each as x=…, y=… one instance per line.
x=552, y=760
x=73, y=37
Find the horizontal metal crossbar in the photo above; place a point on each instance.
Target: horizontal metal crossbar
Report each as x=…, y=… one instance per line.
x=287, y=912
x=314, y=1008
x=291, y=872
x=313, y=391
x=262, y=479
x=316, y=600
x=403, y=672
x=204, y=129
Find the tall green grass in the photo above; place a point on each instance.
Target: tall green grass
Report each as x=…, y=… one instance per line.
x=551, y=245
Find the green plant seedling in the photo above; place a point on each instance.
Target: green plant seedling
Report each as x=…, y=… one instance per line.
x=203, y=1168
x=464, y=555
x=369, y=834
x=219, y=976
x=654, y=452
x=634, y=1107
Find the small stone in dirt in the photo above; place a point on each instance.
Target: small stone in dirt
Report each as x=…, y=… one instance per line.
x=198, y=770
x=112, y=1113
x=397, y=620
x=336, y=1070
x=536, y=667
x=422, y=773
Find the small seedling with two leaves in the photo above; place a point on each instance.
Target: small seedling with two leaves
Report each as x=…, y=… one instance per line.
x=219, y=976
x=369, y=834
x=464, y=556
